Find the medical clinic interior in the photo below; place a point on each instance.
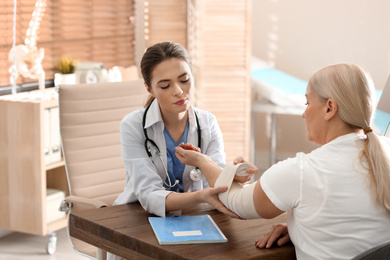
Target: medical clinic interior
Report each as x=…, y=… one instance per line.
x=70, y=72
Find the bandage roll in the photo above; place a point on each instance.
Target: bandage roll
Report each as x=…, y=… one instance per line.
x=237, y=198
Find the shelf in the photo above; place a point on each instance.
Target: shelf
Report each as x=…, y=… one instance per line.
x=47, y=97
x=58, y=224
x=55, y=165
x=25, y=177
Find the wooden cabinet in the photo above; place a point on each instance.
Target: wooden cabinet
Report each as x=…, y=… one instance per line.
x=24, y=176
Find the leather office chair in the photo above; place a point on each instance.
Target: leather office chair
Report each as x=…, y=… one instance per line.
x=380, y=252
x=90, y=115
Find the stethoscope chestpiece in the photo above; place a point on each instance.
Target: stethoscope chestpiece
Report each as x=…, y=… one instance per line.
x=196, y=174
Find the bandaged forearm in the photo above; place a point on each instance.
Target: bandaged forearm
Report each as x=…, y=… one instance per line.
x=237, y=198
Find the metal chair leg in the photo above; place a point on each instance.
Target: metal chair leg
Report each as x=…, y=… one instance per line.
x=101, y=254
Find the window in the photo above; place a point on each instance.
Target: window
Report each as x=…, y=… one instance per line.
x=88, y=30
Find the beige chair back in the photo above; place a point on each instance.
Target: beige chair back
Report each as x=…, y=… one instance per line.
x=90, y=115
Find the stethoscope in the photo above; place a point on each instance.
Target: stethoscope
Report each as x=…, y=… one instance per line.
x=195, y=174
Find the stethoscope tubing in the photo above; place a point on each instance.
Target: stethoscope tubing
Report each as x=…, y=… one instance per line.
x=194, y=176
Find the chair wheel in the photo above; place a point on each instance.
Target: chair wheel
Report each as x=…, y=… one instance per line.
x=51, y=245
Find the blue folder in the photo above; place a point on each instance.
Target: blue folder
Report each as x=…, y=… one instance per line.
x=186, y=230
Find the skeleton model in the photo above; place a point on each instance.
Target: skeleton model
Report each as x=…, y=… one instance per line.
x=27, y=57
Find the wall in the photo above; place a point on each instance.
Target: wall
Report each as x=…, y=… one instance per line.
x=301, y=36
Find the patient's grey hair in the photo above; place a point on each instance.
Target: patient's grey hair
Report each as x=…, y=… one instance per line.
x=353, y=90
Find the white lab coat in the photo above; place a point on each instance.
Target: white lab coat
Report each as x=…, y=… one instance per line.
x=144, y=179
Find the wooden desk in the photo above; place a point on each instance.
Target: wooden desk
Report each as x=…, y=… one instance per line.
x=124, y=230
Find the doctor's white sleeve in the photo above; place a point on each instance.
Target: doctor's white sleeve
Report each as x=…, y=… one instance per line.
x=143, y=183
x=216, y=147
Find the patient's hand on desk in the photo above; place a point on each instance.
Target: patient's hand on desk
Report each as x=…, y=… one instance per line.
x=278, y=233
x=249, y=171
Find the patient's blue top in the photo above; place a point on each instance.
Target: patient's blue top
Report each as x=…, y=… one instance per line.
x=175, y=167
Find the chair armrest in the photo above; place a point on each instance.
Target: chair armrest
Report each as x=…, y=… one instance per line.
x=68, y=201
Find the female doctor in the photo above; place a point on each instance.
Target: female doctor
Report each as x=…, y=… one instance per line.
x=154, y=175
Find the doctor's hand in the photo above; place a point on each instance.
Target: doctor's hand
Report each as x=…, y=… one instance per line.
x=249, y=171
x=190, y=155
x=210, y=195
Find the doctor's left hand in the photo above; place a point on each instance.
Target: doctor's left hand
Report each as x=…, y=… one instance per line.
x=210, y=195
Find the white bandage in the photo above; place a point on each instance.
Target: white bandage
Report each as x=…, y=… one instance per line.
x=237, y=198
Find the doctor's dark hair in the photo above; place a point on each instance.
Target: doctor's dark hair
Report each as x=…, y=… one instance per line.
x=158, y=53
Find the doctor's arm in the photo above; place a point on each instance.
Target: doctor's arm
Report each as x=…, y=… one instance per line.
x=264, y=207
x=178, y=201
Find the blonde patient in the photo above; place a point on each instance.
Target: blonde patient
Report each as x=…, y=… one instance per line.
x=337, y=197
